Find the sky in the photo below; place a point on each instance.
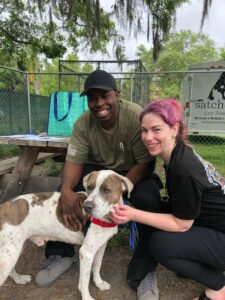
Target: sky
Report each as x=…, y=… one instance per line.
x=188, y=17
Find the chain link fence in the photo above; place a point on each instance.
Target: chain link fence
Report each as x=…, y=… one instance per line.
x=202, y=94
x=25, y=99
x=20, y=110
x=131, y=77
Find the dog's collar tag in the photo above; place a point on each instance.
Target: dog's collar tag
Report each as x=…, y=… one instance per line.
x=102, y=223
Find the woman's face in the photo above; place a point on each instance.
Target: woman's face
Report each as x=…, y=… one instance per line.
x=158, y=136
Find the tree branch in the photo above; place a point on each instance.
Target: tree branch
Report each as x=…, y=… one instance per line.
x=13, y=38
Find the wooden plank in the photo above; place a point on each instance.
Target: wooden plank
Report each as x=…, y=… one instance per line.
x=59, y=144
x=13, y=140
x=4, y=140
x=21, y=172
x=7, y=165
x=34, y=140
x=18, y=142
x=37, y=143
x=35, y=184
x=44, y=156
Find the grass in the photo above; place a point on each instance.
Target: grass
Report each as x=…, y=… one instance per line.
x=8, y=151
x=119, y=240
x=215, y=154
x=54, y=169
x=211, y=150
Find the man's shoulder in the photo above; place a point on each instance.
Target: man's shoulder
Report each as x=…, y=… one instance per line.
x=84, y=118
x=130, y=106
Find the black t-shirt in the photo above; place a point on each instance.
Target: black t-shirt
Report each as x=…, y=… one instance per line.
x=195, y=189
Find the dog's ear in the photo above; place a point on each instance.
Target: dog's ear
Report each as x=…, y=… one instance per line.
x=83, y=194
x=127, y=185
x=85, y=180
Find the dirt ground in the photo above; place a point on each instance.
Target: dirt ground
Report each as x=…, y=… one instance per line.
x=114, y=268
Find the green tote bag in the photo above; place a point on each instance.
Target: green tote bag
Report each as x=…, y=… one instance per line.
x=64, y=109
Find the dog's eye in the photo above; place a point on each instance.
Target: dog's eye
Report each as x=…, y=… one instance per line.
x=107, y=191
x=90, y=188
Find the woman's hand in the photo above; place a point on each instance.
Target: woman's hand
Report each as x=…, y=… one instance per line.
x=123, y=214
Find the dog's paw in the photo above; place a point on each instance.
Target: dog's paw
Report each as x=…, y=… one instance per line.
x=23, y=279
x=103, y=286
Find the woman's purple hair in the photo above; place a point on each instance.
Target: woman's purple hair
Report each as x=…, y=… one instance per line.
x=171, y=111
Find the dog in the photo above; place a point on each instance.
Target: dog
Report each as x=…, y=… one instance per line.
x=218, y=88
x=37, y=216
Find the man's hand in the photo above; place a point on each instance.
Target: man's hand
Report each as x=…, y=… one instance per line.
x=71, y=205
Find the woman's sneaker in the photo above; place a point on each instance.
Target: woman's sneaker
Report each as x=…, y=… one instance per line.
x=148, y=289
x=53, y=268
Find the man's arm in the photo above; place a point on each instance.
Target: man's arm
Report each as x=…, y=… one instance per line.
x=69, y=200
x=71, y=175
x=140, y=171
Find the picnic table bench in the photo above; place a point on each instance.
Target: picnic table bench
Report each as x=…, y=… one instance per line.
x=31, y=147
x=7, y=165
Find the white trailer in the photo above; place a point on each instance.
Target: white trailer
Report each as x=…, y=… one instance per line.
x=203, y=98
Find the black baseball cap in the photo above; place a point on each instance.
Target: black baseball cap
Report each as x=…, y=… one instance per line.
x=99, y=79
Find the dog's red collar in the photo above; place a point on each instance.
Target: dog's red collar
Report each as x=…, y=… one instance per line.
x=102, y=223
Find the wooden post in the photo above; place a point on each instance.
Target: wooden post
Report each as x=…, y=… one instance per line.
x=21, y=172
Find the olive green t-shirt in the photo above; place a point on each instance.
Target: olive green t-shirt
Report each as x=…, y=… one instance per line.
x=117, y=149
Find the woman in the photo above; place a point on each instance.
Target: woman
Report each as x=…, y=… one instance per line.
x=190, y=229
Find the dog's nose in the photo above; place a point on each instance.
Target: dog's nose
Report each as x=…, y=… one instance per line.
x=88, y=206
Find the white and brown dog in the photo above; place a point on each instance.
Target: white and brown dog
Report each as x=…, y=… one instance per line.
x=37, y=217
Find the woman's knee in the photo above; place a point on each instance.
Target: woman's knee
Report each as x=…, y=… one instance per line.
x=146, y=195
x=156, y=244
x=163, y=245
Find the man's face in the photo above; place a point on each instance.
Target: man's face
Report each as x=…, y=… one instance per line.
x=104, y=106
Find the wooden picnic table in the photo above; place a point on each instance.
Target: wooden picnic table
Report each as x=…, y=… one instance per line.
x=31, y=146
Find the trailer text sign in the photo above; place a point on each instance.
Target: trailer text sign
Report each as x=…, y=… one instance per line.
x=207, y=102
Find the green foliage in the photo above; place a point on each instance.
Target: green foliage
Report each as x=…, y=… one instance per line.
x=8, y=151
x=21, y=27
x=46, y=83
x=74, y=82
x=222, y=54
x=50, y=27
x=119, y=240
x=69, y=24
x=13, y=81
x=217, y=158
x=212, y=149
x=49, y=82
x=162, y=14
x=53, y=168
x=181, y=50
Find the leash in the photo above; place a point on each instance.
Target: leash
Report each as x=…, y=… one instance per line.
x=133, y=235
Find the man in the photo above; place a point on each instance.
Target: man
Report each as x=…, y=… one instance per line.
x=105, y=137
